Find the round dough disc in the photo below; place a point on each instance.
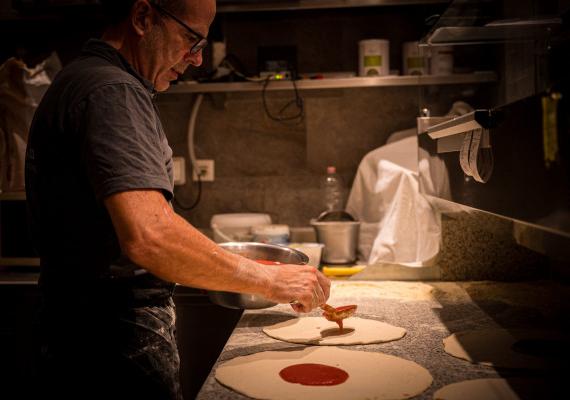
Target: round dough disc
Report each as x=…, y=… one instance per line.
x=498, y=347
x=319, y=331
x=371, y=375
x=495, y=389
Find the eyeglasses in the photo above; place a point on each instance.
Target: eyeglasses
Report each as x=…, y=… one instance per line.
x=201, y=40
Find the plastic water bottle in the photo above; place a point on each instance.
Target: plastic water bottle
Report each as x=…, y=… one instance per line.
x=333, y=190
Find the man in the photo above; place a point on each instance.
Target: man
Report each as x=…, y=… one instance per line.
x=98, y=182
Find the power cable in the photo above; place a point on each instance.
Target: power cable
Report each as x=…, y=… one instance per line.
x=279, y=117
x=191, y=153
x=298, y=101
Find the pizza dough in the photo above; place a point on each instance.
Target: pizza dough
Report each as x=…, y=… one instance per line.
x=495, y=389
x=319, y=331
x=371, y=375
x=504, y=348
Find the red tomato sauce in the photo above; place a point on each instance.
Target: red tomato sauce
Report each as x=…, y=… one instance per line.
x=269, y=262
x=344, y=308
x=339, y=323
x=313, y=375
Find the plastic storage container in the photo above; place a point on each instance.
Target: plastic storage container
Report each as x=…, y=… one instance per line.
x=311, y=250
x=272, y=234
x=236, y=227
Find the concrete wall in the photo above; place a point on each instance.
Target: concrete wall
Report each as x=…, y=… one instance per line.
x=276, y=168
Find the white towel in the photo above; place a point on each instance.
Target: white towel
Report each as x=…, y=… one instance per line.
x=398, y=225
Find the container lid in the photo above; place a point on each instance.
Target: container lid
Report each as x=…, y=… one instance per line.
x=314, y=222
x=270, y=229
x=239, y=220
x=297, y=245
x=335, y=215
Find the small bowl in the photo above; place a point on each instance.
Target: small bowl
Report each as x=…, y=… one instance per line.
x=312, y=249
x=255, y=251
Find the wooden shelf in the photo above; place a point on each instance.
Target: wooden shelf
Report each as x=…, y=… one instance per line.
x=337, y=83
x=13, y=196
x=19, y=262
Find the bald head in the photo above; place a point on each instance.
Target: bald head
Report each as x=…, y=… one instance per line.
x=160, y=42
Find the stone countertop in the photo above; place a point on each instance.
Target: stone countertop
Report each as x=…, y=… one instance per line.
x=428, y=311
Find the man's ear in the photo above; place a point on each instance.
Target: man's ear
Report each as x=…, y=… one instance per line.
x=141, y=17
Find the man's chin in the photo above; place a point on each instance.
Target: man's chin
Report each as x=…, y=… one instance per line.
x=162, y=86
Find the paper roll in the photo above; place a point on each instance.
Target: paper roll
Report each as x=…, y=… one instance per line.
x=474, y=160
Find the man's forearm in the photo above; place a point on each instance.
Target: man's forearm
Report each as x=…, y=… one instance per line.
x=179, y=253
x=153, y=236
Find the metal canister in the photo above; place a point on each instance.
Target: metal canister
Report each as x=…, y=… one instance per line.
x=340, y=239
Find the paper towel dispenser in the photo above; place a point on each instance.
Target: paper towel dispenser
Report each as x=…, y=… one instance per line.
x=529, y=145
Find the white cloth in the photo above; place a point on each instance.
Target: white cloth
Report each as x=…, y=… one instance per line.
x=398, y=225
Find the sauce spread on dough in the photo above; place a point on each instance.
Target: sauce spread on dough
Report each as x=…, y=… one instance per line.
x=268, y=262
x=313, y=374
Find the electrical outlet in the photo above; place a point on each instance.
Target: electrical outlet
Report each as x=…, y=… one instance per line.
x=179, y=170
x=206, y=170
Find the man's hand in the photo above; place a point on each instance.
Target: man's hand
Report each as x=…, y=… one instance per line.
x=303, y=284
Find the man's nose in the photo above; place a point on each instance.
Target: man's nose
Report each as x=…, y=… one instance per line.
x=194, y=59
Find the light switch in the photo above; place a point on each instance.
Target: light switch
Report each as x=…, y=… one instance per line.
x=179, y=170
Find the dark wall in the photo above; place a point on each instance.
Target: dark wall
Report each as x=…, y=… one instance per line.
x=326, y=40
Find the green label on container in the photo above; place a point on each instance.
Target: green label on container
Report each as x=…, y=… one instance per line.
x=372, y=61
x=415, y=62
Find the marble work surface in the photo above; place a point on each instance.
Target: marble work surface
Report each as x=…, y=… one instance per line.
x=428, y=311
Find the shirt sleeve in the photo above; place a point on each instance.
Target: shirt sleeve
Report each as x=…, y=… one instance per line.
x=123, y=146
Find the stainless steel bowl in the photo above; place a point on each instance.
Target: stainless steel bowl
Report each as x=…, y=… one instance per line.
x=255, y=251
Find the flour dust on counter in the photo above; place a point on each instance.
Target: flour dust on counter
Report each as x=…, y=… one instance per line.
x=397, y=290
x=319, y=331
x=371, y=375
x=508, y=348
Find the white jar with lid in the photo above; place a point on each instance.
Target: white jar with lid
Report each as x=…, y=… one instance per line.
x=374, y=57
x=272, y=234
x=441, y=62
x=414, y=61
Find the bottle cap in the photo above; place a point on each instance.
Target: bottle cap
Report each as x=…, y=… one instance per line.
x=331, y=170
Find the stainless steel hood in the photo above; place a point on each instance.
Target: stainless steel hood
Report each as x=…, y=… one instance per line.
x=226, y=6
x=495, y=21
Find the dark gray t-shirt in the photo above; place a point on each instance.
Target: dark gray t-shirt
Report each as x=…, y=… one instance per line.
x=95, y=133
